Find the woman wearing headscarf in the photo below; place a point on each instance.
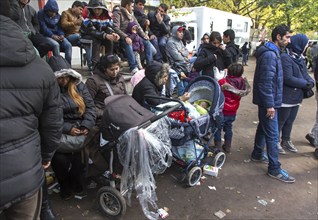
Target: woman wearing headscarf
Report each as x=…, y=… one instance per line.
x=296, y=81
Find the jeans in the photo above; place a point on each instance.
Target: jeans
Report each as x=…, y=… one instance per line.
x=267, y=134
x=41, y=44
x=286, y=118
x=65, y=46
x=314, y=130
x=244, y=61
x=160, y=45
x=74, y=39
x=181, y=86
x=131, y=57
x=227, y=128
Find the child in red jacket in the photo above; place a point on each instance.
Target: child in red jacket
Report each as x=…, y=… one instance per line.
x=234, y=86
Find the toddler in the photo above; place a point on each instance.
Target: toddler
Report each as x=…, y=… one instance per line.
x=234, y=86
x=137, y=43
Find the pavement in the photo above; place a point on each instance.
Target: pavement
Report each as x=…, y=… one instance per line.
x=242, y=190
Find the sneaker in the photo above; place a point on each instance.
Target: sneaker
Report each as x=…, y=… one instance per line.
x=280, y=149
x=282, y=175
x=135, y=70
x=288, y=145
x=263, y=159
x=310, y=138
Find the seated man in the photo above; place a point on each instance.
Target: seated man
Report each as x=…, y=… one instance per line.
x=121, y=19
x=97, y=26
x=26, y=17
x=177, y=55
x=159, y=30
x=50, y=27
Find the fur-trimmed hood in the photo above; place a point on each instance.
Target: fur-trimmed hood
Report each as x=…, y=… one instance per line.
x=155, y=71
x=69, y=72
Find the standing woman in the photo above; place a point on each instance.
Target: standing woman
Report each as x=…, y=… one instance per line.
x=105, y=82
x=79, y=118
x=296, y=81
x=212, y=54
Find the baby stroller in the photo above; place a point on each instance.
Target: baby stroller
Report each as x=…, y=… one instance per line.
x=189, y=148
x=123, y=127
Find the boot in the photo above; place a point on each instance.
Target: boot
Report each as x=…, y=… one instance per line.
x=227, y=146
x=46, y=211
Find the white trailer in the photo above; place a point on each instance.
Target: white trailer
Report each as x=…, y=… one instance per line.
x=201, y=20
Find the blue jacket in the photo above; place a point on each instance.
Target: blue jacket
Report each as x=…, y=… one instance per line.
x=295, y=78
x=268, y=77
x=50, y=26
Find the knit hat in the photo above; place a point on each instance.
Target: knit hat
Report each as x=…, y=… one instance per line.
x=298, y=43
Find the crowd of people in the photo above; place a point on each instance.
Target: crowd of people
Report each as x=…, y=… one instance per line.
x=53, y=113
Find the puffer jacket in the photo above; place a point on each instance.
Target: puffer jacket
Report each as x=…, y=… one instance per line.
x=206, y=59
x=99, y=90
x=25, y=17
x=268, y=77
x=70, y=109
x=70, y=23
x=295, y=78
x=159, y=30
x=50, y=26
x=31, y=116
x=234, y=52
x=232, y=100
x=98, y=27
x=137, y=43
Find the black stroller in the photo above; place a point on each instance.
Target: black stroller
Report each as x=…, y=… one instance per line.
x=190, y=140
x=138, y=135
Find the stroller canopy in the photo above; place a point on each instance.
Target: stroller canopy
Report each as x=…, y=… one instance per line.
x=206, y=88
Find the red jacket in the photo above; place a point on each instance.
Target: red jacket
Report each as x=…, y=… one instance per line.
x=232, y=100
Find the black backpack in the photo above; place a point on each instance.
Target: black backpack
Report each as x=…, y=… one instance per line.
x=121, y=113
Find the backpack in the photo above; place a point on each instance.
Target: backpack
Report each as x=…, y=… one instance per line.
x=121, y=113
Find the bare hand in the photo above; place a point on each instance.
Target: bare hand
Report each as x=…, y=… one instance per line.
x=147, y=23
x=185, y=97
x=84, y=131
x=56, y=37
x=159, y=17
x=222, y=46
x=75, y=131
x=152, y=37
x=146, y=37
x=116, y=36
x=183, y=76
x=128, y=40
x=270, y=113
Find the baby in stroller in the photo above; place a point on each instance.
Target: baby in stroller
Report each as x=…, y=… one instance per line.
x=189, y=148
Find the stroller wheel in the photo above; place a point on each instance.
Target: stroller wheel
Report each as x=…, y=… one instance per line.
x=219, y=160
x=194, y=176
x=111, y=202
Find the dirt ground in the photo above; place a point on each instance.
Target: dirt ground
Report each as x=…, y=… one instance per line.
x=241, y=185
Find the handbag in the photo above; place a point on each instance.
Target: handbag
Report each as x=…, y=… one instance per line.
x=308, y=93
x=71, y=144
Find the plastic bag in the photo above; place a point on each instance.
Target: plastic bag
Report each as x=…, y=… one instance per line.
x=143, y=152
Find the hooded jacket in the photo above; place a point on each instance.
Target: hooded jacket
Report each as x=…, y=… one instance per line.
x=97, y=26
x=50, y=26
x=70, y=23
x=137, y=43
x=295, y=75
x=176, y=52
x=206, y=60
x=99, y=91
x=268, y=77
x=25, y=17
x=233, y=51
x=150, y=85
x=30, y=115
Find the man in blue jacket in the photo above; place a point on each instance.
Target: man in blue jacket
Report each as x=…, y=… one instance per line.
x=267, y=94
x=50, y=27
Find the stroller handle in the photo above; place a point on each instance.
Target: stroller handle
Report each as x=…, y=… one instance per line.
x=164, y=113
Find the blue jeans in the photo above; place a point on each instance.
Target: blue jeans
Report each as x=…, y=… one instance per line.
x=74, y=39
x=244, y=61
x=227, y=128
x=131, y=57
x=181, y=87
x=267, y=134
x=286, y=118
x=160, y=45
x=65, y=46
